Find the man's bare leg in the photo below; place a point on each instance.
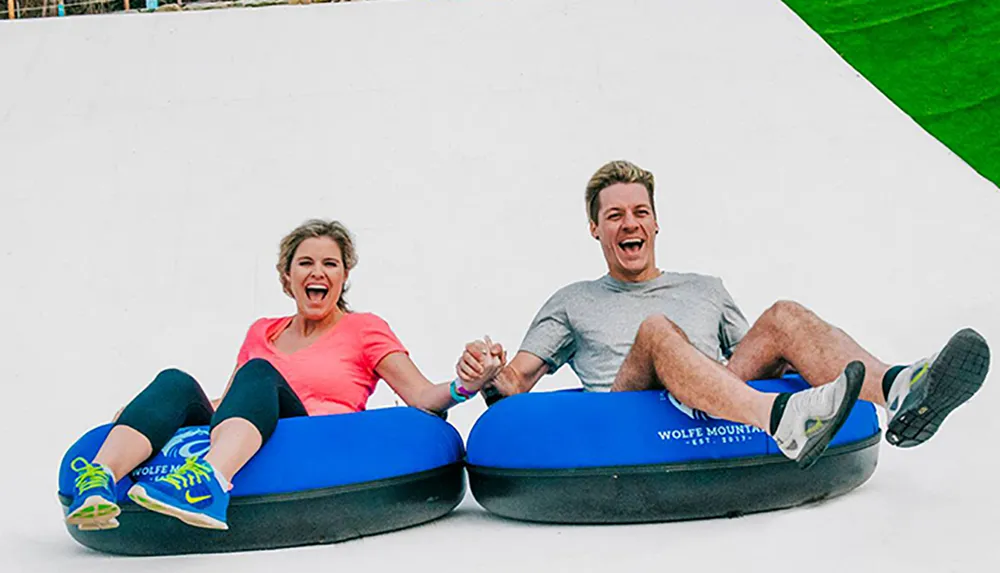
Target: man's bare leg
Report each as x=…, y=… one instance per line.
x=801, y=424
x=789, y=333
x=662, y=353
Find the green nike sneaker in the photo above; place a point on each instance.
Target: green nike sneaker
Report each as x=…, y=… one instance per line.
x=94, y=501
x=191, y=493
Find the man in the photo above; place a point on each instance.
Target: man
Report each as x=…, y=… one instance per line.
x=639, y=328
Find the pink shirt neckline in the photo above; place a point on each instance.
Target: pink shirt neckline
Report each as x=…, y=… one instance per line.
x=281, y=325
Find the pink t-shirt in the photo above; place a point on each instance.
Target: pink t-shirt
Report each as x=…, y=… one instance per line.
x=336, y=373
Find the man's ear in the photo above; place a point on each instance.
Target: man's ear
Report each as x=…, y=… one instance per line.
x=593, y=230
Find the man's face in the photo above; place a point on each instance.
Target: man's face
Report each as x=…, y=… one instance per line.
x=626, y=228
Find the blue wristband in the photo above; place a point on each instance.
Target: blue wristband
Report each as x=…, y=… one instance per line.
x=457, y=394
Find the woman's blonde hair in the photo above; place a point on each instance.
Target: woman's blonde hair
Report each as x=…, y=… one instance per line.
x=311, y=229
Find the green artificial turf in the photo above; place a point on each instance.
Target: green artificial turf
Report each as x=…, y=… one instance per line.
x=938, y=60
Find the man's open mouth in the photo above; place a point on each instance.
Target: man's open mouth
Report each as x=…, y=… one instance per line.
x=631, y=246
x=316, y=293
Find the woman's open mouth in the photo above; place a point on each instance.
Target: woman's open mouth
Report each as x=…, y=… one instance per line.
x=316, y=293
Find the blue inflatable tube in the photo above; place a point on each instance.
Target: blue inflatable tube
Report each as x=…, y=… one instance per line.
x=576, y=457
x=319, y=479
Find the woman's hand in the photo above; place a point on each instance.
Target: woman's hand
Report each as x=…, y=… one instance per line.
x=481, y=361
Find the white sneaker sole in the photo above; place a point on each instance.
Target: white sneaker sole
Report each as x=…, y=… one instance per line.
x=814, y=448
x=138, y=494
x=99, y=525
x=94, y=512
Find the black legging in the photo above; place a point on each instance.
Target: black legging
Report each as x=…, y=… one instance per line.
x=174, y=399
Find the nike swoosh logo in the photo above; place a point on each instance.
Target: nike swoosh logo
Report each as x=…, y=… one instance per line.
x=189, y=499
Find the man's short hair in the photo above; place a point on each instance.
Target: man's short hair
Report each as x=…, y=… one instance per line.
x=616, y=172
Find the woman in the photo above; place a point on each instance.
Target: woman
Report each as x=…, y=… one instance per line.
x=325, y=359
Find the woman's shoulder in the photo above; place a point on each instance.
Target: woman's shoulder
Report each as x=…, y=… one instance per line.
x=367, y=320
x=264, y=324
x=265, y=321
x=373, y=334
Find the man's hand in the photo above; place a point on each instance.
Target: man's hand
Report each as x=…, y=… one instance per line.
x=520, y=375
x=505, y=384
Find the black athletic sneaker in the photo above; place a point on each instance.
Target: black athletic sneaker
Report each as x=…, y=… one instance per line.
x=925, y=392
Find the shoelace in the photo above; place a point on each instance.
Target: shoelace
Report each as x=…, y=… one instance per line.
x=816, y=398
x=187, y=474
x=88, y=475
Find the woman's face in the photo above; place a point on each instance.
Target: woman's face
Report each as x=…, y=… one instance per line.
x=316, y=277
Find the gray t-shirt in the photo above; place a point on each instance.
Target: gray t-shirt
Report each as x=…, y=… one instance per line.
x=592, y=324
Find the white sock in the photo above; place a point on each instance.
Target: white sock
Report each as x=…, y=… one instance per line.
x=226, y=486
x=108, y=471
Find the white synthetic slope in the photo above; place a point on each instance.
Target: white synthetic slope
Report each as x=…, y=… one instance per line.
x=150, y=164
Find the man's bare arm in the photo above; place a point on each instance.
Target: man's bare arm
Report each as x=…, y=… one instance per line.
x=520, y=375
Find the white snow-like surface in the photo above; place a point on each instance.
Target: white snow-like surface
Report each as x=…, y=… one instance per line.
x=151, y=163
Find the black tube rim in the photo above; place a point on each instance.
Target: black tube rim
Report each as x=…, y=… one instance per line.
x=672, y=467
x=128, y=506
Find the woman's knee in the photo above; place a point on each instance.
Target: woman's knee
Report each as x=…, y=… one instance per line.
x=256, y=369
x=173, y=399
x=253, y=396
x=176, y=380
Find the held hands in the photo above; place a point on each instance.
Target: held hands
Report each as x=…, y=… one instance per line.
x=481, y=361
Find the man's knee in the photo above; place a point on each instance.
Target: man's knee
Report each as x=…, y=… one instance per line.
x=658, y=328
x=785, y=312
